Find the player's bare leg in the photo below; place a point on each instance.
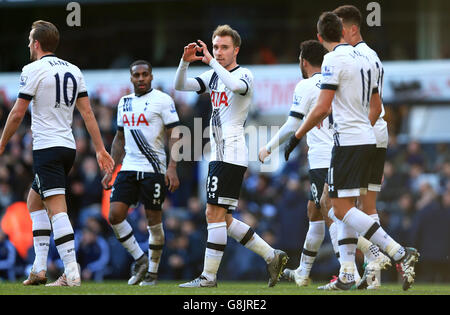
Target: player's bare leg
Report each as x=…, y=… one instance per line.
x=155, y=244
x=245, y=235
x=64, y=240
x=124, y=234
x=41, y=238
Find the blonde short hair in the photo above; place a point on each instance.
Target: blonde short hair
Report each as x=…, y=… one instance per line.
x=226, y=30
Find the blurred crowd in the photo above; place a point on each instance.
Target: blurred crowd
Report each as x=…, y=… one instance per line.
x=414, y=207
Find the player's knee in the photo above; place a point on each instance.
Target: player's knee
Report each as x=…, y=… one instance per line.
x=338, y=212
x=116, y=215
x=154, y=217
x=215, y=214
x=314, y=213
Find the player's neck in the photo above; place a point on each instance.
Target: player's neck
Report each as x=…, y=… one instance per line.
x=330, y=46
x=357, y=39
x=313, y=71
x=231, y=66
x=41, y=54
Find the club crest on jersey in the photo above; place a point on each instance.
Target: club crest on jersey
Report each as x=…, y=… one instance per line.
x=127, y=104
x=218, y=99
x=23, y=80
x=327, y=71
x=131, y=120
x=245, y=77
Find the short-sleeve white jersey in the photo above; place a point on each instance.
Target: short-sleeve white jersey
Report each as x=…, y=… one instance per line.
x=143, y=120
x=53, y=85
x=229, y=113
x=351, y=74
x=380, y=127
x=320, y=141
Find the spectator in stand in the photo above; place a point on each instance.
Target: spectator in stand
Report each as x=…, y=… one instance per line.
x=397, y=217
x=444, y=179
x=7, y=258
x=430, y=234
x=415, y=154
x=393, y=185
x=92, y=255
x=92, y=189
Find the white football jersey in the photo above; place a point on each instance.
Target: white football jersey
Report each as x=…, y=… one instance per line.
x=320, y=141
x=380, y=127
x=144, y=119
x=229, y=113
x=54, y=86
x=351, y=74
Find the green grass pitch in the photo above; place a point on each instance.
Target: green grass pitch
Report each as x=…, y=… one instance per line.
x=224, y=288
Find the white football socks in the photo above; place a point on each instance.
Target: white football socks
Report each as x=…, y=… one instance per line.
x=41, y=239
x=124, y=234
x=155, y=244
x=65, y=242
x=313, y=241
x=245, y=235
x=372, y=231
x=215, y=247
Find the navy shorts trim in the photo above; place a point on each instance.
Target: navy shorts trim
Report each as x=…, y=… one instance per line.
x=223, y=185
x=51, y=167
x=131, y=187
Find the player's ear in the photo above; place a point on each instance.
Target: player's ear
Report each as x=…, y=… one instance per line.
x=320, y=38
x=236, y=50
x=355, y=29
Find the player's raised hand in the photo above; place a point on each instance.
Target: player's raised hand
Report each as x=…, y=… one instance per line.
x=189, y=54
x=105, y=161
x=204, y=49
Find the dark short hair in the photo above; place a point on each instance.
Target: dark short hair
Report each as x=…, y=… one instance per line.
x=313, y=51
x=46, y=34
x=329, y=27
x=349, y=14
x=140, y=62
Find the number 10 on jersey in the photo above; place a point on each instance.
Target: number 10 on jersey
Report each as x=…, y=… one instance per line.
x=66, y=78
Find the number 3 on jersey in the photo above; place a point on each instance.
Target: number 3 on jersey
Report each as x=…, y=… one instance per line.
x=66, y=78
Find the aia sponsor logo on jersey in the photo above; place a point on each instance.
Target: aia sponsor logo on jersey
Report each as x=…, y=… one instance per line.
x=218, y=99
x=134, y=120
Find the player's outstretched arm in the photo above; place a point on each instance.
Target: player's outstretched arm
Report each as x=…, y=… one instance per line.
x=13, y=121
x=288, y=128
x=105, y=161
